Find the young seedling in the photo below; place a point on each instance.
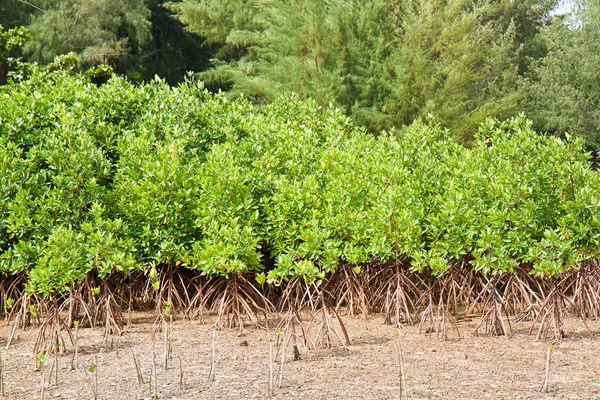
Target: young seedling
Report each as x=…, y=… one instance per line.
x=55, y=364
x=181, y=381
x=93, y=370
x=40, y=360
x=9, y=305
x=402, y=392
x=211, y=374
x=155, y=395
x=282, y=335
x=168, y=311
x=170, y=335
x=1, y=376
x=548, y=358
x=137, y=370
x=75, y=362
x=33, y=313
x=270, y=384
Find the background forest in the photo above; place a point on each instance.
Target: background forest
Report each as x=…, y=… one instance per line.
x=385, y=63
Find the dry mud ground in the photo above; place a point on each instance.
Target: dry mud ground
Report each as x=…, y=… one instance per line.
x=468, y=368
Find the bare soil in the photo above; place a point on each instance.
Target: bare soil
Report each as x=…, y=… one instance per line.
x=472, y=367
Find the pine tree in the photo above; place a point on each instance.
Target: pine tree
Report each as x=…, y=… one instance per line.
x=385, y=62
x=99, y=31
x=562, y=91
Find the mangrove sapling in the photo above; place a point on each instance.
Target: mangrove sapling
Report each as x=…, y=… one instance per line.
x=34, y=314
x=271, y=368
x=155, y=383
x=167, y=330
x=547, y=375
x=93, y=370
x=54, y=368
x=281, y=335
x=402, y=392
x=40, y=361
x=51, y=372
x=170, y=336
x=1, y=375
x=138, y=370
x=181, y=380
x=211, y=373
x=7, y=307
x=166, y=348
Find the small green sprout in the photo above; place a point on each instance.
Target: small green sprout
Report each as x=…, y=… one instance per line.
x=168, y=307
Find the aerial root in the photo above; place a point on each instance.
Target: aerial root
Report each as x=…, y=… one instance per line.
x=11, y=289
x=521, y=294
x=436, y=316
x=110, y=312
x=324, y=318
x=468, y=284
x=291, y=331
x=50, y=336
x=232, y=299
x=174, y=285
x=552, y=311
x=586, y=291
x=396, y=294
x=196, y=308
x=493, y=306
x=350, y=289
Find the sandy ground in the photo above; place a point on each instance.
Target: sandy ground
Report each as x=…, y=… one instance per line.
x=472, y=367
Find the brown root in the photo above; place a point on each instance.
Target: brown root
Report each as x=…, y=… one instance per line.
x=522, y=294
x=324, y=318
x=552, y=311
x=233, y=299
x=397, y=293
x=586, y=290
x=349, y=288
x=493, y=306
x=436, y=315
x=174, y=283
x=195, y=308
x=11, y=289
x=50, y=336
x=291, y=330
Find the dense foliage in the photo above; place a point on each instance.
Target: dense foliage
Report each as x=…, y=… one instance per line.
x=118, y=178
